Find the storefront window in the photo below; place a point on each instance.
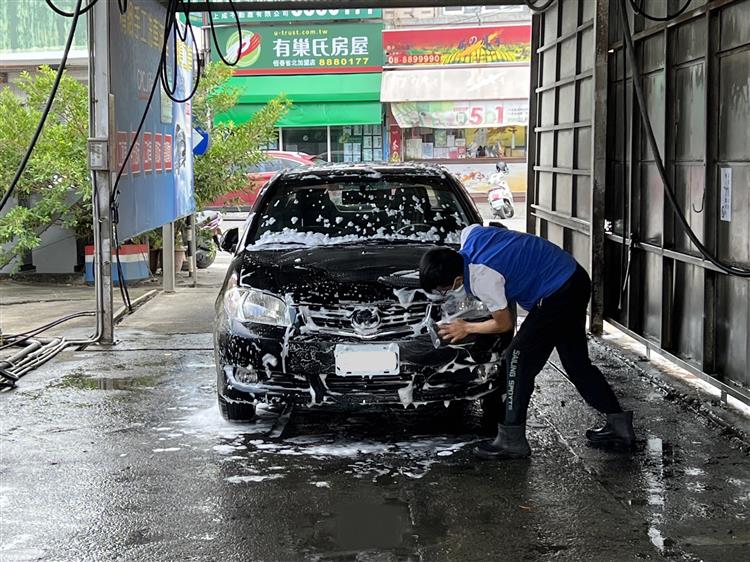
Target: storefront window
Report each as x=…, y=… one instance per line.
x=422, y=143
x=357, y=143
x=312, y=140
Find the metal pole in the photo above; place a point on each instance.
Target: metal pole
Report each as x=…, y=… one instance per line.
x=281, y=139
x=193, y=233
x=328, y=143
x=599, y=155
x=167, y=258
x=99, y=128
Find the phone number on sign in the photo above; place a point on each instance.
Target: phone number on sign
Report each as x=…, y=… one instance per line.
x=415, y=59
x=353, y=61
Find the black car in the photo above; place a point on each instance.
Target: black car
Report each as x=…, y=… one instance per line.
x=321, y=306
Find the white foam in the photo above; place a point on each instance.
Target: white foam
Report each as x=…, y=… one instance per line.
x=253, y=478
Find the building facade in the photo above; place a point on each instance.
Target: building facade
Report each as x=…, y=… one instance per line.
x=328, y=63
x=455, y=88
x=32, y=35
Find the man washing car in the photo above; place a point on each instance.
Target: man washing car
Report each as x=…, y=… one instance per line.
x=499, y=266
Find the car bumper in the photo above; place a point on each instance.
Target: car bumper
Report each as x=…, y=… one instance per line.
x=253, y=366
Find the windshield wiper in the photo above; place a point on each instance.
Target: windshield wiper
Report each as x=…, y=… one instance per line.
x=395, y=241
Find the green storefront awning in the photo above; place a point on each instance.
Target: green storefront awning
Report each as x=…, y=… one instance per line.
x=316, y=114
x=318, y=100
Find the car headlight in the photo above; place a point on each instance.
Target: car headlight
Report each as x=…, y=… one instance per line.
x=252, y=305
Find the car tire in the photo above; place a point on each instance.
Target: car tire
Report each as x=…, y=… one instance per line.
x=236, y=411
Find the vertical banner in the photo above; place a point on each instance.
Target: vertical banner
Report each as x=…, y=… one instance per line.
x=157, y=186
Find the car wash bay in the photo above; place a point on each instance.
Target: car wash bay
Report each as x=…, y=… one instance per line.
x=120, y=454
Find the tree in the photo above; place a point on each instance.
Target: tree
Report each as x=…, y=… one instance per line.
x=55, y=188
x=233, y=148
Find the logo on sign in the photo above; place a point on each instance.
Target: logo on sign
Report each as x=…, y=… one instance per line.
x=248, y=51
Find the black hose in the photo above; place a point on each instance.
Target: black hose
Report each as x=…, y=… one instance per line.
x=47, y=106
x=19, y=338
x=532, y=4
x=65, y=14
x=638, y=9
x=668, y=190
x=216, y=41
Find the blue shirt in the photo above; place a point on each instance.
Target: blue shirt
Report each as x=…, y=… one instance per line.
x=503, y=265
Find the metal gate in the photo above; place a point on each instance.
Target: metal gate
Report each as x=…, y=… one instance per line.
x=595, y=189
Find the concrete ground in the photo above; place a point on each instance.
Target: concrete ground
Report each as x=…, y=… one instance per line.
x=121, y=454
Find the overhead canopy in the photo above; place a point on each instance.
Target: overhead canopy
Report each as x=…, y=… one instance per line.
x=315, y=114
x=317, y=100
x=453, y=84
x=308, y=88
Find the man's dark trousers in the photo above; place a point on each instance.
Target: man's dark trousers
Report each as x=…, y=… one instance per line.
x=557, y=322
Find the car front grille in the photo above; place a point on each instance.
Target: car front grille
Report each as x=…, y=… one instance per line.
x=366, y=321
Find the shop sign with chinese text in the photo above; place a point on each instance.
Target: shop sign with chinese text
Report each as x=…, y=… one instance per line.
x=464, y=45
x=321, y=49
x=461, y=115
x=263, y=16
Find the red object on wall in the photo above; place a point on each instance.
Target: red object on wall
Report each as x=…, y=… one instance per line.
x=158, y=152
x=167, y=151
x=148, y=152
x=122, y=149
x=135, y=156
x=461, y=45
x=394, y=136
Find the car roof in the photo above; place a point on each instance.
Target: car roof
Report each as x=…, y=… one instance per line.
x=366, y=170
x=288, y=154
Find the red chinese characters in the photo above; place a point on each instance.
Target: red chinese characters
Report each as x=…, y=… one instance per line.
x=148, y=152
x=167, y=151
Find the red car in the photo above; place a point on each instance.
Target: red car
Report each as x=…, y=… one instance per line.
x=259, y=175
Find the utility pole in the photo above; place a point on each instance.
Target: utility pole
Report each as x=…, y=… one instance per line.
x=167, y=257
x=101, y=163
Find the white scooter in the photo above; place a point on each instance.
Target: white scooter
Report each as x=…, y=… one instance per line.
x=499, y=195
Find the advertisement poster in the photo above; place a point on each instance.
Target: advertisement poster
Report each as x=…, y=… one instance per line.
x=461, y=115
x=467, y=45
x=323, y=49
x=157, y=187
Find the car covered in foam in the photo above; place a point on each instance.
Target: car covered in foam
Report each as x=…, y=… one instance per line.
x=321, y=305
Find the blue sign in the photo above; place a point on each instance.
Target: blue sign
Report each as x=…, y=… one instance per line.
x=200, y=141
x=157, y=186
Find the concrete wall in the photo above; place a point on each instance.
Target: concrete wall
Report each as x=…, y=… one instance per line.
x=595, y=189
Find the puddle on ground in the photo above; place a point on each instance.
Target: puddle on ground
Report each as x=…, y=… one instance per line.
x=364, y=451
x=375, y=531
x=81, y=381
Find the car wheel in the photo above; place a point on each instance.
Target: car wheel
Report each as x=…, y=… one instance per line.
x=236, y=411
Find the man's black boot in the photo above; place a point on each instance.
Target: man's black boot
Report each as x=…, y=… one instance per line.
x=618, y=431
x=510, y=443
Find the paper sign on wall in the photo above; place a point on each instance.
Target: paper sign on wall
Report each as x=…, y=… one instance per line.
x=726, y=194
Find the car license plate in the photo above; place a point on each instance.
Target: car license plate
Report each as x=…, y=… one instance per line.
x=367, y=360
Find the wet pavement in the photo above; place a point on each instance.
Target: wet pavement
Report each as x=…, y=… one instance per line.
x=121, y=454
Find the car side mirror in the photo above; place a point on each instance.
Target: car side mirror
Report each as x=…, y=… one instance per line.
x=229, y=240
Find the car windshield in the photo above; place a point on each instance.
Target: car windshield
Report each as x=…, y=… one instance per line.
x=360, y=211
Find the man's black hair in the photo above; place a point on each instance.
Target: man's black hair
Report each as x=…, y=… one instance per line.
x=439, y=268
